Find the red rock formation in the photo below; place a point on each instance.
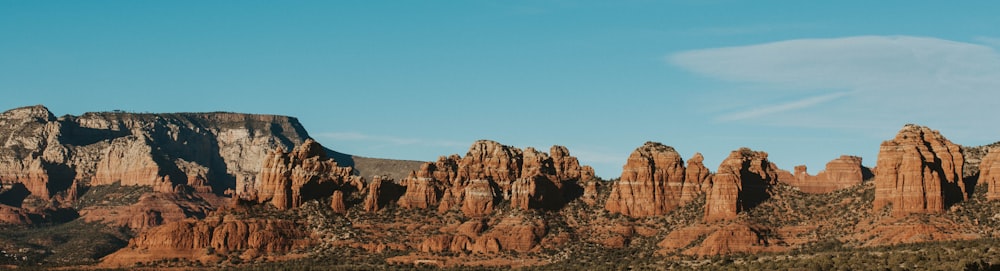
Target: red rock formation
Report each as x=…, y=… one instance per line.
x=472, y=228
x=437, y=243
x=489, y=160
x=14, y=215
x=650, y=183
x=653, y=182
x=529, y=179
x=461, y=243
x=381, y=191
x=486, y=245
x=190, y=238
x=740, y=183
x=337, y=202
x=421, y=188
x=512, y=233
x=697, y=179
x=444, y=170
x=589, y=193
x=479, y=198
x=537, y=183
x=288, y=179
x=989, y=173
x=522, y=192
x=840, y=173
x=919, y=171
x=567, y=167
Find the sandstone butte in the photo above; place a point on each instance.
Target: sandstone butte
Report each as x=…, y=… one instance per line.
x=741, y=182
x=840, y=173
x=919, y=171
x=654, y=181
x=490, y=173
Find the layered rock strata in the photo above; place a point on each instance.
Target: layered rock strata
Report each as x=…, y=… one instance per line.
x=210, y=152
x=919, y=171
x=287, y=179
x=654, y=181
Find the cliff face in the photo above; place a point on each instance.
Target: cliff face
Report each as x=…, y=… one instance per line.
x=210, y=152
x=31, y=154
x=654, y=181
x=919, y=171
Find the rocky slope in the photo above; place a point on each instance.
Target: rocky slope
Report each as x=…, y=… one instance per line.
x=208, y=239
x=225, y=189
x=189, y=162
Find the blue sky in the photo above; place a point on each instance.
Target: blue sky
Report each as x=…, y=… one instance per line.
x=802, y=80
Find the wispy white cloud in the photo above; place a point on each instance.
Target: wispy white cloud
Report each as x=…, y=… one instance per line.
x=876, y=80
x=853, y=62
x=779, y=108
x=356, y=136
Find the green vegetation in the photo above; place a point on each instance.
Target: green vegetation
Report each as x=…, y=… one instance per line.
x=111, y=195
x=834, y=214
x=72, y=243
